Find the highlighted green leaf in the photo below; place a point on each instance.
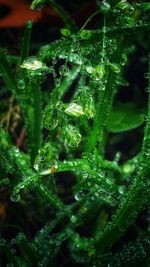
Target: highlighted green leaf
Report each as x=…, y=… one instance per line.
x=124, y=117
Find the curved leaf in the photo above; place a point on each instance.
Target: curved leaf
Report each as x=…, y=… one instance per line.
x=124, y=117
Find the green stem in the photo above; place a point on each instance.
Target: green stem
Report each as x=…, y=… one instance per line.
x=7, y=73
x=146, y=139
x=26, y=249
x=104, y=107
x=51, y=198
x=37, y=119
x=83, y=164
x=90, y=18
x=26, y=41
x=116, y=230
x=33, y=125
x=136, y=198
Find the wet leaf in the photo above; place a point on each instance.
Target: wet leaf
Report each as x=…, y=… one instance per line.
x=124, y=117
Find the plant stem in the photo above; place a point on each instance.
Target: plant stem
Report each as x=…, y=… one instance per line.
x=26, y=42
x=104, y=107
x=8, y=75
x=131, y=206
x=37, y=139
x=89, y=19
x=51, y=198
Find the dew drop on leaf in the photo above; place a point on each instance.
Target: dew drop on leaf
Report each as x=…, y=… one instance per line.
x=15, y=197
x=73, y=219
x=21, y=84
x=98, y=72
x=77, y=197
x=65, y=32
x=2, y=242
x=32, y=63
x=75, y=58
x=63, y=70
x=85, y=34
x=115, y=67
x=121, y=190
x=89, y=69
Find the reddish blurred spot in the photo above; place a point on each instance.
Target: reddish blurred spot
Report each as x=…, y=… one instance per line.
x=21, y=138
x=19, y=12
x=15, y=13
x=2, y=210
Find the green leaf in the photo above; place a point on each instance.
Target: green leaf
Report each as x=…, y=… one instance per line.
x=37, y=4
x=124, y=117
x=72, y=136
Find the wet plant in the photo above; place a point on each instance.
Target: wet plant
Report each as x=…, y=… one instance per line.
x=78, y=178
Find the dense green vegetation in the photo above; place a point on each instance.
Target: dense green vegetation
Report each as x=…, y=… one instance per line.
x=78, y=186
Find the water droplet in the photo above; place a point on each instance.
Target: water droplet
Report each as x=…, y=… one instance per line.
x=63, y=70
x=75, y=58
x=75, y=163
x=32, y=63
x=2, y=242
x=98, y=72
x=93, y=198
x=121, y=190
x=77, y=197
x=73, y=219
x=123, y=59
x=54, y=61
x=65, y=32
x=21, y=84
x=21, y=185
x=70, y=163
x=115, y=67
x=89, y=69
x=139, y=23
x=85, y=34
x=127, y=168
x=117, y=157
x=57, y=82
x=146, y=75
x=15, y=197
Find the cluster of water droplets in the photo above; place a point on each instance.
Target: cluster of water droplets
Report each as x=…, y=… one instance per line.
x=81, y=248
x=34, y=68
x=130, y=253
x=26, y=182
x=95, y=184
x=50, y=120
x=47, y=244
x=47, y=157
x=72, y=136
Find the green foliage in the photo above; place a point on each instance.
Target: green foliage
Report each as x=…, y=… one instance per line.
x=124, y=117
x=83, y=204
